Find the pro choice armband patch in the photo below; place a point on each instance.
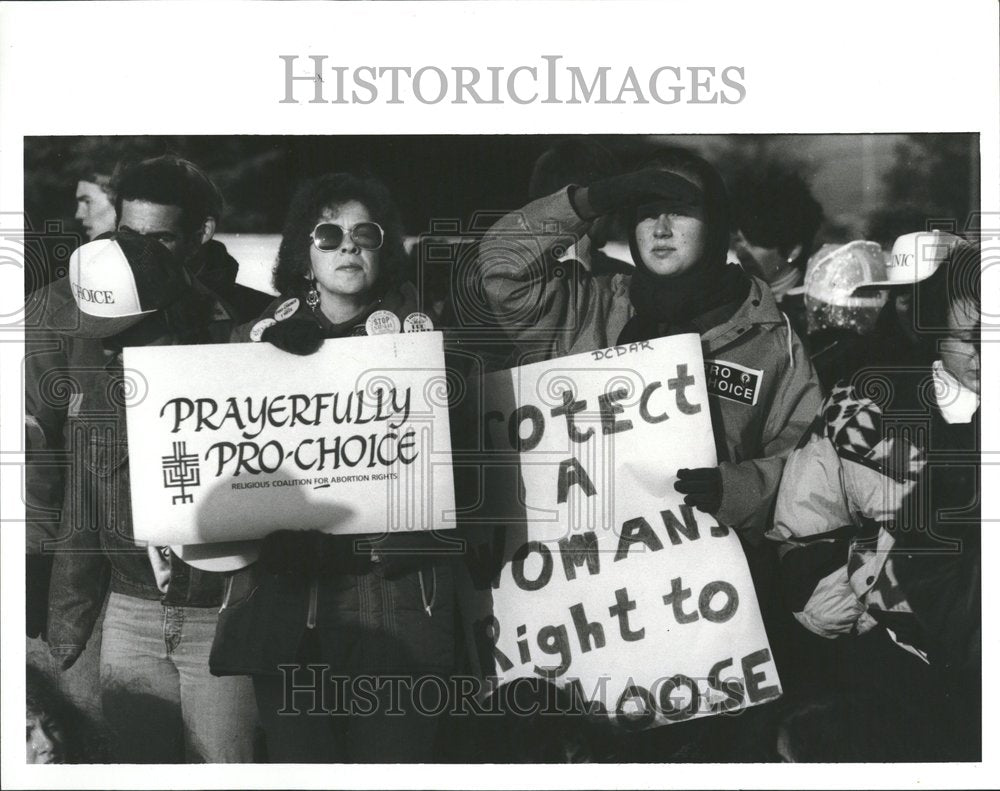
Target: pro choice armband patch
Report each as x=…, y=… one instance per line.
x=732, y=381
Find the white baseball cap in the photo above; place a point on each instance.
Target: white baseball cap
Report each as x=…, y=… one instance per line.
x=914, y=257
x=117, y=282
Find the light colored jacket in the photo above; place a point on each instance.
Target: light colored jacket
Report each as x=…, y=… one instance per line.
x=552, y=308
x=840, y=494
x=877, y=519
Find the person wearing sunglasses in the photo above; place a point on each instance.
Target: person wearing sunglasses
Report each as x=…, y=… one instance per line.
x=369, y=616
x=341, y=261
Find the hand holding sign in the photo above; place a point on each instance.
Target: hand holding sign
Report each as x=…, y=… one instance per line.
x=595, y=574
x=702, y=488
x=294, y=336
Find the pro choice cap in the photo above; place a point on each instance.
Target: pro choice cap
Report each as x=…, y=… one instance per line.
x=832, y=275
x=116, y=283
x=914, y=257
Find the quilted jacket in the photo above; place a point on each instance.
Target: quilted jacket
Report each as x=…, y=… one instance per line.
x=877, y=518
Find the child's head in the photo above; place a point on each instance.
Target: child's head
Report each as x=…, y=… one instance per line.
x=57, y=731
x=46, y=738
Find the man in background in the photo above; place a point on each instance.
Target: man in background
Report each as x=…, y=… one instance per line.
x=95, y=203
x=776, y=219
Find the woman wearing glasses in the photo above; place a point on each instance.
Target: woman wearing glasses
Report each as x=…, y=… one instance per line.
x=340, y=263
x=334, y=629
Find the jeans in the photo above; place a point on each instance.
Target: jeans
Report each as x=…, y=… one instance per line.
x=160, y=701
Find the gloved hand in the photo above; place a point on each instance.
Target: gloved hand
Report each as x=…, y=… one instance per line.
x=296, y=336
x=401, y=552
x=631, y=189
x=312, y=553
x=701, y=487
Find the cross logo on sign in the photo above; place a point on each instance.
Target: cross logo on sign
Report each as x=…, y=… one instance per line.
x=180, y=471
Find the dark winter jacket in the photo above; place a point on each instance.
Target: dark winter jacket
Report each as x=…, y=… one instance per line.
x=216, y=269
x=79, y=503
x=391, y=612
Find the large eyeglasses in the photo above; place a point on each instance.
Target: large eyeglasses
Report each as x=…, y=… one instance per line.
x=329, y=236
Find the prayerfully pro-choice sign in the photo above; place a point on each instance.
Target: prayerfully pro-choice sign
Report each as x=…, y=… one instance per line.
x=230, y=442
x=586, y=567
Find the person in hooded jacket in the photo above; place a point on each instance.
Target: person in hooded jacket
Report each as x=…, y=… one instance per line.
x=365, y=608
x=678, y=219
x=679, y=234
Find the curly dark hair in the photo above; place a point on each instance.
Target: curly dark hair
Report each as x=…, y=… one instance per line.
x=291, y=271
x=82, y=740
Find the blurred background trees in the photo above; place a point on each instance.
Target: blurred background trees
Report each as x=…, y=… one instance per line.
x=870, y=186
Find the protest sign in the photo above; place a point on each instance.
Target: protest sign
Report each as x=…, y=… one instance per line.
x=586, y=568
x=232, y=441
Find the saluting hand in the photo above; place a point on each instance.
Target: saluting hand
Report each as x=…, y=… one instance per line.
x=628, y=189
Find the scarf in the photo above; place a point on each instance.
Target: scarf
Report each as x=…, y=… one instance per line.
x=669, y=305
x=956, y=402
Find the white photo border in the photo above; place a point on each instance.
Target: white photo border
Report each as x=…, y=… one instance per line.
x=175, y=67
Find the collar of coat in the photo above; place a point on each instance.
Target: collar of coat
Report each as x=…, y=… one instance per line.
x=956, y=402
x=758, y=310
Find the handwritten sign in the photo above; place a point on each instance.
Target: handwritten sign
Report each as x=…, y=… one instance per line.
x=230, y=442
x=586, y=567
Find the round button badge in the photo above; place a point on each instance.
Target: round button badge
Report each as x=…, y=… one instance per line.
x=418, y=322
x=286, y=309
x=382, y=322
x=258, y=329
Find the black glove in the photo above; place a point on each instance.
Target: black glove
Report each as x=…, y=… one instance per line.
x=297, y=336
x=401, y=552
x=702, y=488
x=631, y=189
x=312, y=553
